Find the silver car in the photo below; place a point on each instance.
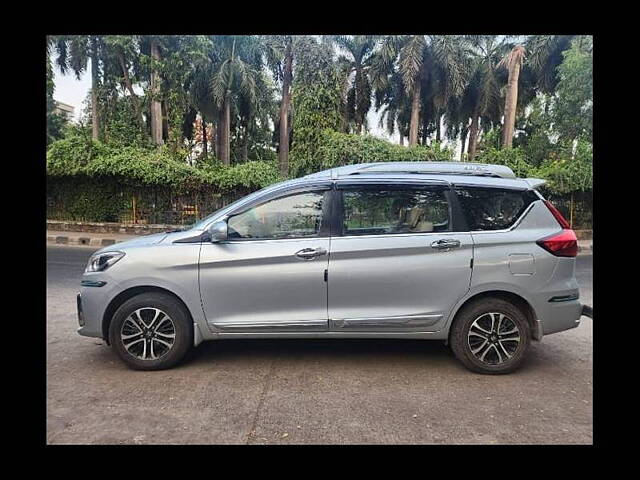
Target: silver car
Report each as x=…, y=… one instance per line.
x=459, y=252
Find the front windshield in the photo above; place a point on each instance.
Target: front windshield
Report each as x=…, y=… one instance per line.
x=200, y=224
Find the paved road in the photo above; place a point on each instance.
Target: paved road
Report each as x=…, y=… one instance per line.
x=310, y=391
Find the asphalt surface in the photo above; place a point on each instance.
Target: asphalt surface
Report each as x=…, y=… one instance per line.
x=310, y=391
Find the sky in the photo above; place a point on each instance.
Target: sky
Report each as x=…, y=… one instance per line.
x=70, y=90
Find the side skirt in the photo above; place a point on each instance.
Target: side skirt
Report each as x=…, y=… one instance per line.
x=271, y=327
x=406, y=323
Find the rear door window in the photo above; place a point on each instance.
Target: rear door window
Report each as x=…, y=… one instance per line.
x=386, y=210
x=493, y=208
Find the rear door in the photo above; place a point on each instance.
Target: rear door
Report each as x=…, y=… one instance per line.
x=396, y=264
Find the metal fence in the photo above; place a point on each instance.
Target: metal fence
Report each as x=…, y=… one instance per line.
x=577, y=208
x=90, y=201
x=109, y=201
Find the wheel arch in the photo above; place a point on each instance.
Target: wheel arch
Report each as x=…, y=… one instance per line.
x=514, y=298
x=131, y=292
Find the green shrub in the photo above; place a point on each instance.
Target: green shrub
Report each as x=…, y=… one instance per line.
x=566, y=171
x=514, y=158
x=134, y=165
x=339, y=149
x=84, y=199
x=335, y=149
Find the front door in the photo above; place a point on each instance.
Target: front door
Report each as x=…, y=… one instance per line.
x=269, y=275
x=398, y=265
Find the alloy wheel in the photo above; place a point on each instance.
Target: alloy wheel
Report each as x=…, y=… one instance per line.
x=148, y=333
x=493, y=338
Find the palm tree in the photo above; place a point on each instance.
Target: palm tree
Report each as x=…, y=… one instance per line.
x=449, y=72
x=388, y=88
x=121, y=57
x=481, y=97
x=199, y=87
x=359, y=52
x=394, y=106
x=55, y=121
x=251, y=118
x=236, y=73
x=154, y=89
x=431, y=62
x=513, y=62
x=73, y=53
x=544, y=57
x=279, y=53
x=412, y=68
x=200, y=98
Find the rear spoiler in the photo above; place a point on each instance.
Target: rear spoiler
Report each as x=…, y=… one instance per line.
x=535, y=182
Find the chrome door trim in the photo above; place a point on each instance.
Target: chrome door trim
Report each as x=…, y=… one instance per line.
x=249, y=327
x=405, y=322
x=405, y=234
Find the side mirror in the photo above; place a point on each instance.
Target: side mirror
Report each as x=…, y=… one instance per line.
x=218, y=231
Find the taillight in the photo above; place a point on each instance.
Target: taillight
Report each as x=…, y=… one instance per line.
x=556, y=213
x=563, y=244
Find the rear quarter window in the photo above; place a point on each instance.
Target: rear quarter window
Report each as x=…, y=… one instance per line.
x=493, y=208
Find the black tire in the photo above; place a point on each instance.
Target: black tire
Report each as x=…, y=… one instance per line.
x=460, y=334
x=182, y=328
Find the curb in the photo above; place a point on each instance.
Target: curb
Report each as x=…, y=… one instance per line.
x=80, y=241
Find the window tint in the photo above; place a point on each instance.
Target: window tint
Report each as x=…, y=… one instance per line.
x=381, y=211
x=286, y=217
x=492, y=208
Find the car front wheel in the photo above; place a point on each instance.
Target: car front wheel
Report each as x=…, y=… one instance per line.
x=151, y=331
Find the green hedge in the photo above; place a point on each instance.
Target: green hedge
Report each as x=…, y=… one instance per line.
x=339, y=149
x=85, y=199
x=565, y=172
x=88, y=179
x=79, y=157
x=334, y=149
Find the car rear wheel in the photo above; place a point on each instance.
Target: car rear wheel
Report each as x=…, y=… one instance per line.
x=491, y=336
x=151, y=331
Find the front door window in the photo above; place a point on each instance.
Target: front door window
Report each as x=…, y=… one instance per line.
x=294, y=216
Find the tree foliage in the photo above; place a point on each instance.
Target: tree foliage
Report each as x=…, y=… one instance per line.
x=338, y=149
x=236, y=84
x=76, y=156
x=317, y=103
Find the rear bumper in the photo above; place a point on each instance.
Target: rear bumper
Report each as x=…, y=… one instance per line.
x=559, y=316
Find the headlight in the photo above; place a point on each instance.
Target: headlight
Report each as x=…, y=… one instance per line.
x=101, y=261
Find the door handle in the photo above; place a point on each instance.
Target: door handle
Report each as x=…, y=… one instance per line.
x=309, y=253
x=443, y=244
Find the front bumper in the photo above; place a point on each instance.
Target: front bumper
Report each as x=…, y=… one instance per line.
x=92, y=302
x=79, y=308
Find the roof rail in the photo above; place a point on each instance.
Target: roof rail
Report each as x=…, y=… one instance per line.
x=431, y=168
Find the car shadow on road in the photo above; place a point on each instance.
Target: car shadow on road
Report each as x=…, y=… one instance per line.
x=319, y=348
x=357, y=352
